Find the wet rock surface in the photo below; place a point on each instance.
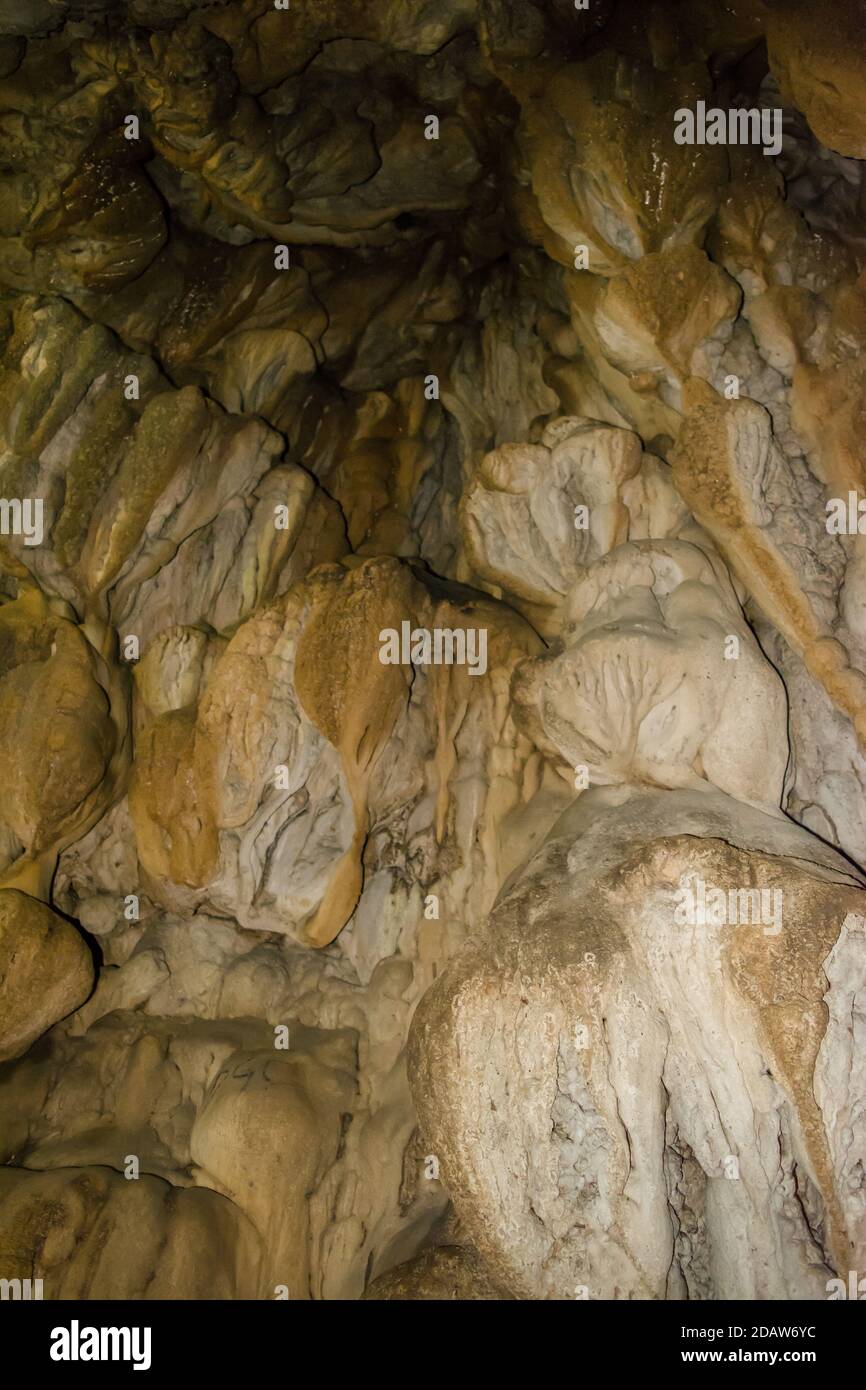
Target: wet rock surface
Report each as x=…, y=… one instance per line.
x=432, y=649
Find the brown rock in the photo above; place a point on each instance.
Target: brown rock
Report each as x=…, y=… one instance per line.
x=46, y=971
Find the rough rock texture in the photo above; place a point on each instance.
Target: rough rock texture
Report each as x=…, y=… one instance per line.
x=96, y=1236
x=649, y=1109
x=46, y=971
x=445, y=1273
x=431, y=572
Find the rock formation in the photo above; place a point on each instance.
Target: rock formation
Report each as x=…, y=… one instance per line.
x=432, y=649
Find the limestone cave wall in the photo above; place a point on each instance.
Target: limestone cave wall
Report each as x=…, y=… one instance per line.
x=432, y=648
